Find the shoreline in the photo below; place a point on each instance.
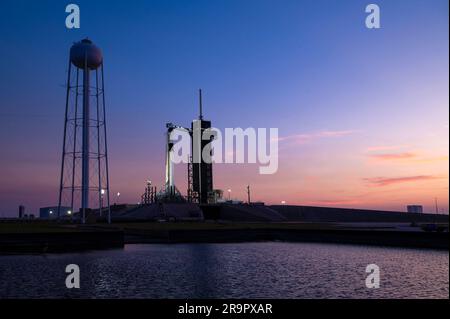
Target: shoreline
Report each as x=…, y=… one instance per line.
x=93, y=237
x=420, y=240
x=59, y=242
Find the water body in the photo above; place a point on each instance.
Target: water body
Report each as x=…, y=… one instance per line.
x=245, y=270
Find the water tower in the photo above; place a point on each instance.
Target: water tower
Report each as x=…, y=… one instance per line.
x=84, y=179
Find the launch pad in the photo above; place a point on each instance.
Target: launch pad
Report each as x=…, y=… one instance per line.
x=199, y=168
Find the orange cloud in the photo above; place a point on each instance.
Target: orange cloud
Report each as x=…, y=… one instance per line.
x=386, y=181
x=433, y=159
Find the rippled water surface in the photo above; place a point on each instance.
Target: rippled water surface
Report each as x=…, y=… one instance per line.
x=247, y=270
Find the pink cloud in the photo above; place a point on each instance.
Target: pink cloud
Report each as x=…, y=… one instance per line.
x=310, y=137
x=393, y=156
x=409, y=156
x=332, y=202
x=385, y=148
x=386, y=181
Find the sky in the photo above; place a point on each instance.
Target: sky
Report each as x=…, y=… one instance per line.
x=362, y=114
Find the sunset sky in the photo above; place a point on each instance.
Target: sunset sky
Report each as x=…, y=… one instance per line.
x=362, y=114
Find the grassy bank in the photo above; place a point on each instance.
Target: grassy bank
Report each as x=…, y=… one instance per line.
x=51, y=236
x=39, y=227
x=36, y=228
x=153, y=226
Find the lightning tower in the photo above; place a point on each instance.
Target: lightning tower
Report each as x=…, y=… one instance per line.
x=200, y=176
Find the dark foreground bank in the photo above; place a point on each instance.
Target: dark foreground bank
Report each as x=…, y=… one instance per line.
x=53, y=237
x=59, y=242
x=360, y=237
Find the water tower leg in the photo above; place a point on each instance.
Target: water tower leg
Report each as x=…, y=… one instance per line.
x=61, y=182
x=85, y=151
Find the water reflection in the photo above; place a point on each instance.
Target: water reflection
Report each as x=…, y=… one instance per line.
x=248, y=270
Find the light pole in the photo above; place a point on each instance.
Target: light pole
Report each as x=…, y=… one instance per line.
x=229, y=194
x=102, y=192
x=118, y=195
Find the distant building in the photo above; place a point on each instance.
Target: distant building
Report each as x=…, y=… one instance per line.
x=217, y=196
x=21, y=211
x=416, y=209
x=257, y=203
x=234, y=202
x=52, y=212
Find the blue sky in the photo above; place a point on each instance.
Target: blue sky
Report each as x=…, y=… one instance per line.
x=305, y=67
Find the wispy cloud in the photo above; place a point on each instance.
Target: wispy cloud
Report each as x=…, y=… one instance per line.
x=310, y=137
x=385, y=148
x=410, y=157
x=386, y=181
x=393, y=156
x=332, y=202
x=432, y=159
